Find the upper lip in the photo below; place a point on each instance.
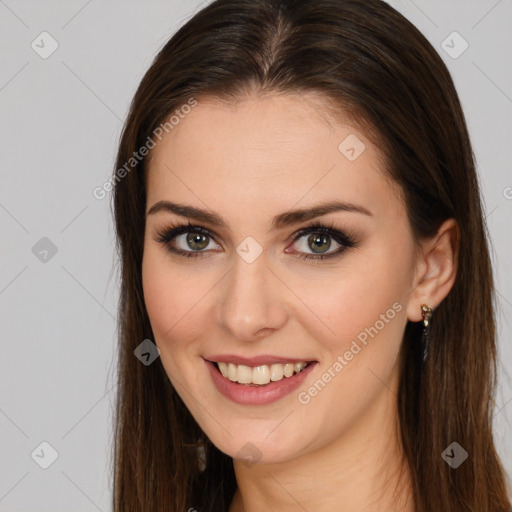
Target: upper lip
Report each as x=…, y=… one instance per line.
x=256, y=360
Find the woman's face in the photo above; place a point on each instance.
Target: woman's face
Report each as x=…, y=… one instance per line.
x=255, y=294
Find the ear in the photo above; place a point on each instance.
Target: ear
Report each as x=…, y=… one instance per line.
x=436, y=269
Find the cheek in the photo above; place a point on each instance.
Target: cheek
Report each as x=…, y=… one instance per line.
x=177, y=302
x=359, y=362
x=365, y=310
x=170, y=299
x=166, y=295
x=367, y=292
x=160, y=295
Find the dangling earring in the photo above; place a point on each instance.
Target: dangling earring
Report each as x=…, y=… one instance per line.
x=426, y=313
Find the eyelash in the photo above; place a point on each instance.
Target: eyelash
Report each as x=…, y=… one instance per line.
x=168, y=233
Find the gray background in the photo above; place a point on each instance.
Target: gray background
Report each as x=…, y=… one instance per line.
x=61, y=119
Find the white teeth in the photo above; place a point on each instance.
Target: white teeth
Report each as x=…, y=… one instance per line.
x=259, y=375
x=232, y=372
x=288, y=369
x=223, y=367
x=276, y=372
x=299, y=367
x=244, y=374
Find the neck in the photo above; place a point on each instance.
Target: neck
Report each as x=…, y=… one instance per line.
x=362, y=470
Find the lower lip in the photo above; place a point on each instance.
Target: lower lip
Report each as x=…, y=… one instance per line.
x=257, y=395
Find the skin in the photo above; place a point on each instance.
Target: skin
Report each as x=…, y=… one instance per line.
x=248, y=162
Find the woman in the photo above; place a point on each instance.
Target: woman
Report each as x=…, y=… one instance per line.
x=301, y=236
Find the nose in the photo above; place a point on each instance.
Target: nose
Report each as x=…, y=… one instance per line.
x=252, y=301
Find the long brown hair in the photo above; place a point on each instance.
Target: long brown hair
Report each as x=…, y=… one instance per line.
x=366, y=58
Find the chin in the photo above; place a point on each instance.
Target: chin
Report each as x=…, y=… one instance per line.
x=258, y=447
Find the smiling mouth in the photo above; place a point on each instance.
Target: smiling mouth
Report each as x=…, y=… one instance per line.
x=259, y=376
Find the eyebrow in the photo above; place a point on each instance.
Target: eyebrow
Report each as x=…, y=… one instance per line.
x=282, y=220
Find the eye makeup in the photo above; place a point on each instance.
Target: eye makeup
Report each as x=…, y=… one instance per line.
x=168, y=234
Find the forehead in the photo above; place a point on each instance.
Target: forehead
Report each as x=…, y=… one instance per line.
x=281, y=150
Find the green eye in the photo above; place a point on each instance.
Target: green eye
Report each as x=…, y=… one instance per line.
x=319, y=240
x=197, y=241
